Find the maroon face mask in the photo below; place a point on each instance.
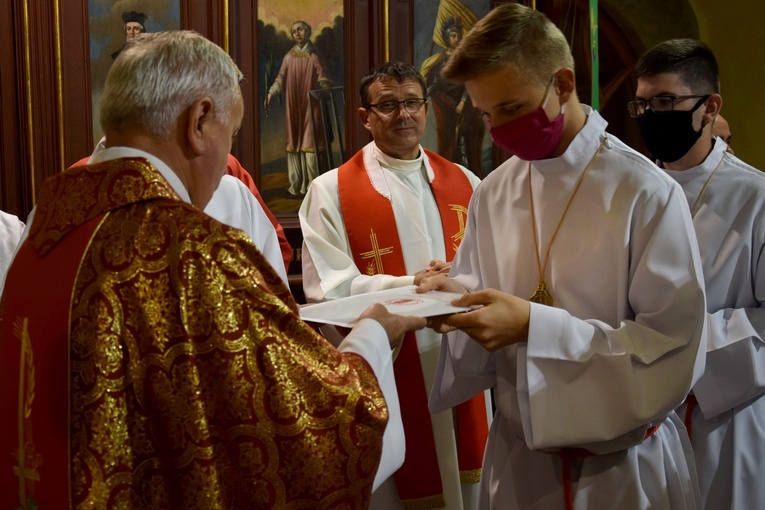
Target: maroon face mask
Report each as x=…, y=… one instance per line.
x=532, y=136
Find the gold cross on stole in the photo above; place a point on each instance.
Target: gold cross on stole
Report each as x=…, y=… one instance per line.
x=461, y=214
x=376, y=253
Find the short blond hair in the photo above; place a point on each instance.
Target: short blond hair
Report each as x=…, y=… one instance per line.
x=159, y=75
x=511, y=35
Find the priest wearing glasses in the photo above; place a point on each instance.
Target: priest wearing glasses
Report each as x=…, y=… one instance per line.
x=393, y=214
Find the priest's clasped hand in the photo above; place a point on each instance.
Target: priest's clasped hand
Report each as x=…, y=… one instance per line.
x=435, y=268
x=500, y=320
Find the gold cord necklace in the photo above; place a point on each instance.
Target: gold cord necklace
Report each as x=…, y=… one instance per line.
x=542, y=295
x=697, y=203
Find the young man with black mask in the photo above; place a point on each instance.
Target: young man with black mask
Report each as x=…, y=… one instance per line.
x=676, y=103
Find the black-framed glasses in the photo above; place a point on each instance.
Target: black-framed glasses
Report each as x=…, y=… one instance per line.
x=411, y=106
x=661, y=104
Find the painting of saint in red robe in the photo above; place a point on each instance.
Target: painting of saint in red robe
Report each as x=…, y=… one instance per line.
x=300, y=49
x=301, y=71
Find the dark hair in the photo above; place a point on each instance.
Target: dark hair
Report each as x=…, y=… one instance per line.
x=394, y=70
x=135, y=17
x=692, y=60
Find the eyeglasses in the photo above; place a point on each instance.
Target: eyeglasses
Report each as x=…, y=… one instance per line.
x=411, y=106
x=660, y=104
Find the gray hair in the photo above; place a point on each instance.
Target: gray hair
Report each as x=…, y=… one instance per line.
x=159, y=75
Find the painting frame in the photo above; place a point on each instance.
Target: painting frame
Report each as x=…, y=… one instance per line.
x=292, y=77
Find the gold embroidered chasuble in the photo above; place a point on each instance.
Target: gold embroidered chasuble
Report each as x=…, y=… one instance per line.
x=190, y=380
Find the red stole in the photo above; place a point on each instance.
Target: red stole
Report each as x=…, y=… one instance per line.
x=34, y=354
x=376, y=249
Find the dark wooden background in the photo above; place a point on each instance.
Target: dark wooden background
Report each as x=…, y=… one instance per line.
x=45, y=96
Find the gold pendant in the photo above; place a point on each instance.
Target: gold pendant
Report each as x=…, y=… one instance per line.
x=541, y=295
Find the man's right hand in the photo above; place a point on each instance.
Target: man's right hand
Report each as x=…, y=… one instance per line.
x=395, y=325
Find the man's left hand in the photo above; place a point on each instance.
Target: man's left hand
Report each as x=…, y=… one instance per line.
x=435, y=267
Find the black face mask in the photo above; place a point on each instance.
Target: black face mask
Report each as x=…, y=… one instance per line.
x=669, y=135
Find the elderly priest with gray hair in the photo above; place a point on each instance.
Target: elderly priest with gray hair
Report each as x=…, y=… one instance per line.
x=152, y=358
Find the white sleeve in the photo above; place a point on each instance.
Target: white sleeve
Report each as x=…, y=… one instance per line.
x=735, y=368
x=329, y=271
x=369, y=340
x=12, y=233
x=464, y=370
x=464, y=367
x=233, y=204
x=636, y=371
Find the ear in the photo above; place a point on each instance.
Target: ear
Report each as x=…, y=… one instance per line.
x=364, y=116
x=198, y=123
x=565, y=84
x=712, y=109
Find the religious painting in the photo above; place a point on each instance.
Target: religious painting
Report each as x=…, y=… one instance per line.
x=454, y=127
x=112, y=23
x=302, y=104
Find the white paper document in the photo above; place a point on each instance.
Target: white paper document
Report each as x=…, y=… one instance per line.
x=401, y=301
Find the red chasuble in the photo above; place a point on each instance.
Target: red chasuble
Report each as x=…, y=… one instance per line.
x=376, y=249
x=151, y=358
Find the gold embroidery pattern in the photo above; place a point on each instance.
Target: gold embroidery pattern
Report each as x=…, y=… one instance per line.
x=79, y=194
x=376, y=253
x=461, y=211
x=470, y=476
x=26, y=457
x=194, y=385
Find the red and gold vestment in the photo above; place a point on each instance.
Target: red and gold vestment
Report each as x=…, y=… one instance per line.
x=151, y=358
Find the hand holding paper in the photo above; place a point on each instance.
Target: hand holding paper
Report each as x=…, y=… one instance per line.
x=395, y=325
x=500, y=320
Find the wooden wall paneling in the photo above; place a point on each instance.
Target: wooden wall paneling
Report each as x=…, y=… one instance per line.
x=401, y=31
x=12, y=158
x=207, y=18
x=42, y=93
x=243, y=36
x=363, y=42
x=40, y=107
x=76, y=108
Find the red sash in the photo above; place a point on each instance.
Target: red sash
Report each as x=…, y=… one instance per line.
x=569, y=455
x=376, y=249
x=34, y=355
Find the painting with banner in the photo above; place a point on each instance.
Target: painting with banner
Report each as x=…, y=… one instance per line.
x=455, y=128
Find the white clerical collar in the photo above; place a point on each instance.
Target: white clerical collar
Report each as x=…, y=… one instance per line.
x=398, y=165
x=581, y=148
x=305, y=49
x=705, y=168
x=130, y=152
